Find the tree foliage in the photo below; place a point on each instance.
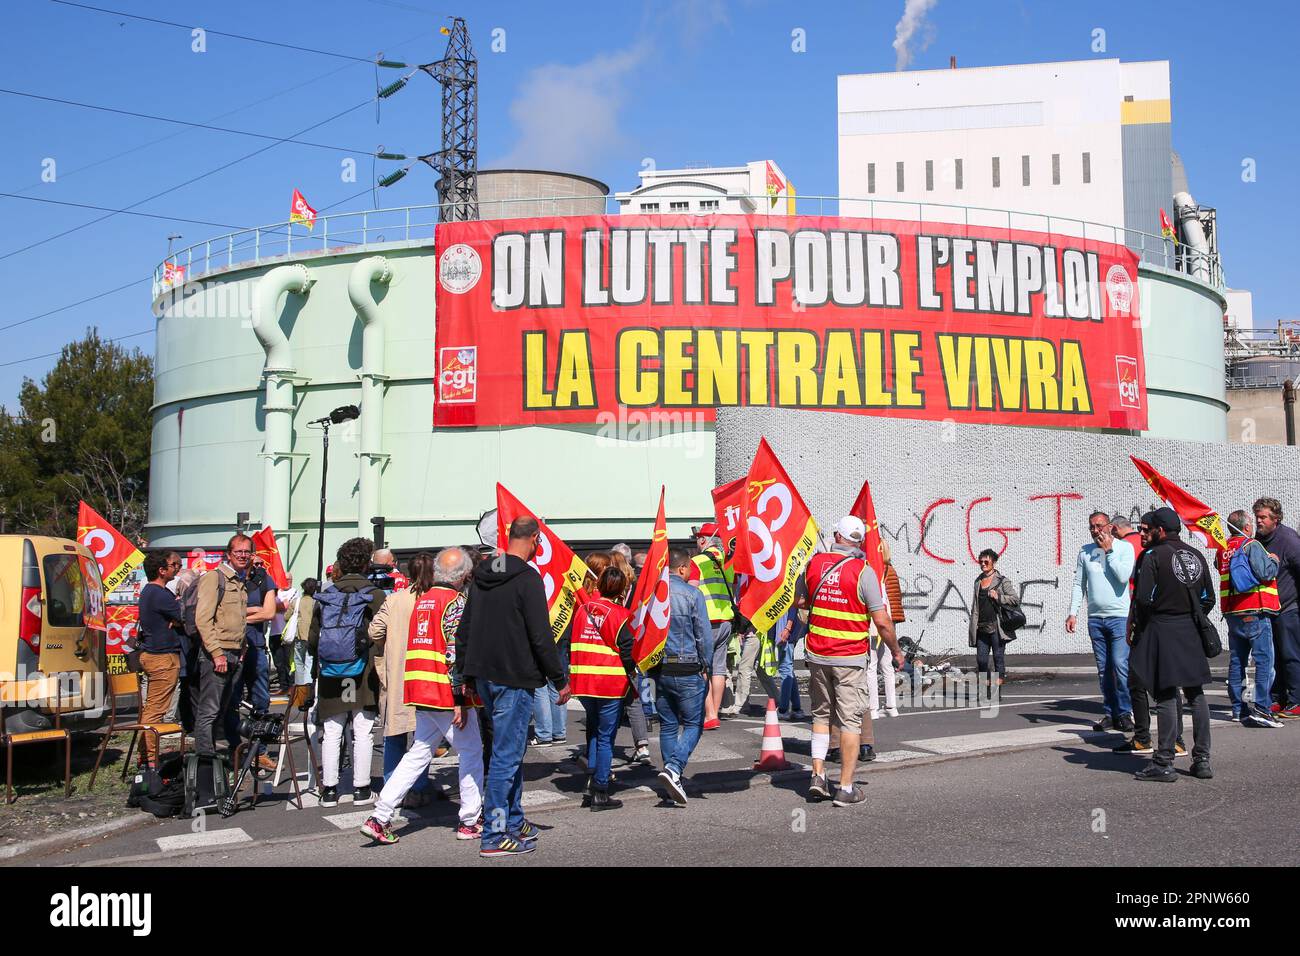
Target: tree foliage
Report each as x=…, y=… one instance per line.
x=83, y=432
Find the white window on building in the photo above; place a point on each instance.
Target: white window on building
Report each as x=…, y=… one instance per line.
x=1024, y=170
x=871, y=177
x=898, y=174
x=679, y=207
x=997, y=172
x=708, y=205
x=649, y=207
x=929, y=175
x=1087, y=167
x=1056, y=169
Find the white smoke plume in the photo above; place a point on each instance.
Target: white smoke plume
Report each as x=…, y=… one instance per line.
x=907, y=28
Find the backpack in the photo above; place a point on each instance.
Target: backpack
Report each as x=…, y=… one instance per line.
x=190, y=600
x=1240, y=574
x=161, y=790
x=206, y=782
x=344, y=625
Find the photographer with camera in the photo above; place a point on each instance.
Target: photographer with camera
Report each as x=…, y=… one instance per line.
x=348, y=686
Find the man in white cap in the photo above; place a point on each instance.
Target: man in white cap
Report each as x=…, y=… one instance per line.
x=843, y=600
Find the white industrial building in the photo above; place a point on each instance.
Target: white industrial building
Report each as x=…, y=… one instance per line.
x=741, y=190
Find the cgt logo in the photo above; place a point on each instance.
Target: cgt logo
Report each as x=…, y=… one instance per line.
x=1126, y=377
x=458, y=375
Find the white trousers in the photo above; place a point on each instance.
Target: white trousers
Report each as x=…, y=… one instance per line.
x=883, y=658
x=363, y=745
x=431, y=727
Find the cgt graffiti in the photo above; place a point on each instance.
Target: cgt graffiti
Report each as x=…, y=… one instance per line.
x=1036, y=537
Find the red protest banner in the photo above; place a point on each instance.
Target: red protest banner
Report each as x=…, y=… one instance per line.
x=727, y=500
x=562, y=571
x=123, y=621
x=116, y=555
x=1196, y=515
x=650, y=604
x=268, y=552
x=779, y=538
x=872, y=546
x=563, y=319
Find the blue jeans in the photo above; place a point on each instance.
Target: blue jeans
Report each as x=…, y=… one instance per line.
x=1286, y=657
x=549, y=718
x=789, y=685
x=646, y=690
x=254, y=676
x=603, y=716
x=1111, y=651
x=1249, y=635
x=681, y=717
x=394, y=749
x=503, y=811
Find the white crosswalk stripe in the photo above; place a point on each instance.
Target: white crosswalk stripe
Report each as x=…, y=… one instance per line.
x=189, y=841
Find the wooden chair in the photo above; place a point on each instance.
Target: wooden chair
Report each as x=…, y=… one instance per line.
x=57, y=732
x=125, y=684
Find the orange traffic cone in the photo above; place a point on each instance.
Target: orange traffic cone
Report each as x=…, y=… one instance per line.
x=772, y=756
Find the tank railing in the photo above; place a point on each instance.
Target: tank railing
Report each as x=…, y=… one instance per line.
x=338, y=232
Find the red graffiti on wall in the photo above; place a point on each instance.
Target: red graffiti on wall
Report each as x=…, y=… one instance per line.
x=1058, y=497
x=1004, y=531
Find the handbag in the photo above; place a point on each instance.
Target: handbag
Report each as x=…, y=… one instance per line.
x=1211, y=643
x=1010, y=617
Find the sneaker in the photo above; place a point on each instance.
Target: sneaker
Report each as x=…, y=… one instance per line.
x=866, y=753
x=856, y=795
x=469, y=831
x=1290, y=713
x=362, y=796
x=329, y=797
x=673, y=785
x=833, y=755
x=559, y=741
x=877, y=714
x=1180, y=749
x=783, y=714
x=1253, y=719
x=538, y=742
x=1104, y=724
x=817, y=788
x=1126, y=724
x=713, y=724
x=1156, y=774
x=1201, y=770
x=528, y=832
x=265, y=763
x=379, y=832
x=641, y=755
x=508, y=846
x=891, y=711
x=601, y=800
x=1267, y=719
x=1134, y=746
x=1275, y=708
x=797, y=714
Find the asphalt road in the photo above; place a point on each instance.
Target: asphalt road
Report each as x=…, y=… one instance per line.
x=1031, y=786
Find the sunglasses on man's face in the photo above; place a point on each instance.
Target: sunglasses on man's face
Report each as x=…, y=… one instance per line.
x=239, y=554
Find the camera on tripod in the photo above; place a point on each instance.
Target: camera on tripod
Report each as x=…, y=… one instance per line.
x=262, y=727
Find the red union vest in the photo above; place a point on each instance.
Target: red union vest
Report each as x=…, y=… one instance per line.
x=1259, y=599
x=595, y=669
x=839, y=623
x=431, y=636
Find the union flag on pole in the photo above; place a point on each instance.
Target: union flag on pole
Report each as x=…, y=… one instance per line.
x=1167, y=228
x=300, y=211
x=116, y=556
x=872, y=545
x=1196, y=515
x=173, y=274
x=774, y=184
x=562, y=571
x=650, y=603
x=778, y=535
x=268, y=552
x=726, y=512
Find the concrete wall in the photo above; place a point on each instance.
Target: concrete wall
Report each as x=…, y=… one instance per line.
x=972, y=487
x=1256, y=416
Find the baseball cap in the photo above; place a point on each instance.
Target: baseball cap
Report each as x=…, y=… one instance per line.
x=851, y=529
x=1165, y=518
x=709, y=530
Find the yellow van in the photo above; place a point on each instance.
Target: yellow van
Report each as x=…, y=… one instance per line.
x=53, y=625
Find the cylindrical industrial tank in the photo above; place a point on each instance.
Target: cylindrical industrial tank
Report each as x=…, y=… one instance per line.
x=522, y=193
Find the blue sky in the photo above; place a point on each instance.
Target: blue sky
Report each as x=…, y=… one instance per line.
x=591, y=88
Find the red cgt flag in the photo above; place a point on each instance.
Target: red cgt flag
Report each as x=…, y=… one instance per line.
x=116, y=556
x=1196, y=515
x=650, y=603
x=268, y=552
x=301, y=211
x=727, y=500
x=562, y=571
x=872, y=546
x=777, y=539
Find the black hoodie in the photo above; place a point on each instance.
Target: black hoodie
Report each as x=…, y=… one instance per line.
x=505, y=632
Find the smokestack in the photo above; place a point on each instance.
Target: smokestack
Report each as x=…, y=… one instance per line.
x=952, y=63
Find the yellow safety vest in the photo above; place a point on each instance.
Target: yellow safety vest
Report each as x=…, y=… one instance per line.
x=716, y=582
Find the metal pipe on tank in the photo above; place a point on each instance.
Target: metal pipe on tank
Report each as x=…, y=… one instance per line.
x=279, y=372
x=373, y=377
x=1288, y=410
x=1188, y=214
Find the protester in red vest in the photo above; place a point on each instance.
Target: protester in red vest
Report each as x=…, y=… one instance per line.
x=1250, y=614
x=600, y=671
x=443, y=706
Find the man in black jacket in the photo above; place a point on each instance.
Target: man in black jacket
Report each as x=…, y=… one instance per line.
x=1167, y=649
x=505, y=647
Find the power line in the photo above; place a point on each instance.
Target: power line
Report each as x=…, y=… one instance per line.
x=233, y=36
x=120, y=212
x=73, y=305
x=178, y=122
x=33, y=358
x=194, y=179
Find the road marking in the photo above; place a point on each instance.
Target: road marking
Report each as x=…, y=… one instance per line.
x=187, y=841
x=969, y=743
x=536, y=798
x=348, y=821
x=894, y=756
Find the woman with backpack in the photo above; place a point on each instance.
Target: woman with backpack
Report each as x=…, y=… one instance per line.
x=347, y=684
